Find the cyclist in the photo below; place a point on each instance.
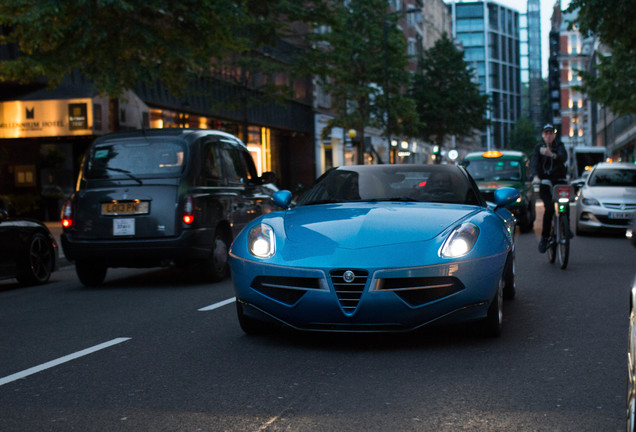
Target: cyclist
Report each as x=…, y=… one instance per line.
x=548, y=163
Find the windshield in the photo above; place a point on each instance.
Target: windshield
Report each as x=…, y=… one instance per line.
x=417, y=183
x=135, y=159
x=613, y=177
x=494, y=169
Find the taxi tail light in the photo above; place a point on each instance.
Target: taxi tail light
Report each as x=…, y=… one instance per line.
x=67, y=214
x=188, y=211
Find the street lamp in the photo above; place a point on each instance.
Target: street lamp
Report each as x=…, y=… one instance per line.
x=392, y=149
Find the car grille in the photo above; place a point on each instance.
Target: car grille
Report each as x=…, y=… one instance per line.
x=619, y=206
x=421, y=290
x=617, y=222
x=285, y=289
x=349, y=293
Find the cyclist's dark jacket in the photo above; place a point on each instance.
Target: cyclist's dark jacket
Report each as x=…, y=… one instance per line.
x=545, y=167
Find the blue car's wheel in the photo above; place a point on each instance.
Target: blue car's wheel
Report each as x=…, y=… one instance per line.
x=494, y=320
x=509, y=278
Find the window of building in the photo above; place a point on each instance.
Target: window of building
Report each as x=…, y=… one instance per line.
x=469, y=10
x=493, y=17
x=468, y=25
x=472, y=54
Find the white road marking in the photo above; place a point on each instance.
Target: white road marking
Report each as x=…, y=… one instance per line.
x=59, y=361
x=218, y=305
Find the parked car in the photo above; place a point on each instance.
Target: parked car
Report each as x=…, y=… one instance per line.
x=631, y=346
x=607, y=199
x=378, y=248
x=28, y=251
x=160, y=197
x=505, y=168
x=578, y=182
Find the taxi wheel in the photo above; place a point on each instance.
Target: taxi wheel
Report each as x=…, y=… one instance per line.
x=215, y=268
x=90, y=274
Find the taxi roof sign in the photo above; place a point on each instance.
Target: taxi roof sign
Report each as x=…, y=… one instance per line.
x=492, y=154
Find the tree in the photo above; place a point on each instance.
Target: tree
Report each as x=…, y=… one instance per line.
x=613, y=83
x=523, y=136
x=118, y=44
x=448, y=101
x=361, y=60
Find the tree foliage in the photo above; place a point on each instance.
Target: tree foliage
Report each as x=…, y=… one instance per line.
x=360, y=59
x=118, y=44
x=613, y=83
x=523, y=136
x=448, y=101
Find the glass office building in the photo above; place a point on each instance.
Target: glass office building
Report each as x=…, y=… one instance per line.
x=489, y=34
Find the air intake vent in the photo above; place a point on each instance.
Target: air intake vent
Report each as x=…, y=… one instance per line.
x=349, y=285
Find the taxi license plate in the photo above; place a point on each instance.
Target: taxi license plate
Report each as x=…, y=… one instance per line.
x=124, y=226
x=115, y=208
x=620, y=215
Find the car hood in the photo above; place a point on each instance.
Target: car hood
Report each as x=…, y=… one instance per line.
x=361, y=225
x=611, y=193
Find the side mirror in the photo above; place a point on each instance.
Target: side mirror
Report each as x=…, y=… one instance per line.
x=282, y=198
x=268, y=177
x=505, y=196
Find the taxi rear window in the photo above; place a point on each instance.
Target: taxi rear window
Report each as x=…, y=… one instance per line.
x=125, y=159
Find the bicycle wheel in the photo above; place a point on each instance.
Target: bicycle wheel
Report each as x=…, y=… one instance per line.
x=563, y=241
x=551, y=251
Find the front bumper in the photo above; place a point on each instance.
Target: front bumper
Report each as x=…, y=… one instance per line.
x=399, y=299
x=597, y=219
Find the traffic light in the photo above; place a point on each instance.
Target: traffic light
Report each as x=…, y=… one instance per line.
x=554, y=79
x=437, y=157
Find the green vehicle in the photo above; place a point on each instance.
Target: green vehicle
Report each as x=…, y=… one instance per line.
x=500, y=168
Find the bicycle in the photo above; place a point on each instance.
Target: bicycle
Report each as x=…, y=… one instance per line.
x=559, y=239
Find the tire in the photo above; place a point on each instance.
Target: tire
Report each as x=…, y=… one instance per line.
x=90, y=274
x=216, y=267
x=493, y=322
x=252, y=326
x=527, y=223
x=563, y=246
x=38, y=262
x=551, y=243
x=510, y=289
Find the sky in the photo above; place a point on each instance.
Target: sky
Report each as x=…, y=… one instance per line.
x=546, y=14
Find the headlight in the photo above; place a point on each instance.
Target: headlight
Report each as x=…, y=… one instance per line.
x=261, y=241
x=591, y=201
x=460, y=241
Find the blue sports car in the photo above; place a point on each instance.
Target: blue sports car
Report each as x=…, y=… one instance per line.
x=378, y=248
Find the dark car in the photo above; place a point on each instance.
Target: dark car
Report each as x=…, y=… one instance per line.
x=505, y=168
x=160, y=197
x=28, y=251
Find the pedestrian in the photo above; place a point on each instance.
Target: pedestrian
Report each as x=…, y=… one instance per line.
x=548, y=163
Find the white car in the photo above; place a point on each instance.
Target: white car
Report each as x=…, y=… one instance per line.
x=607, y=200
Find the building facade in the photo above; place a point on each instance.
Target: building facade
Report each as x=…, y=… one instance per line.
x=44, y=133
x=490, y=36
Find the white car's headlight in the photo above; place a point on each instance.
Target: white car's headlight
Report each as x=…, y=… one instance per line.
x=261, y=241
x=460, y=241
x=591, y=201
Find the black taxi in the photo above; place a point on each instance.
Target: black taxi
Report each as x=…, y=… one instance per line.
x=161, y=197
x=499, y=168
